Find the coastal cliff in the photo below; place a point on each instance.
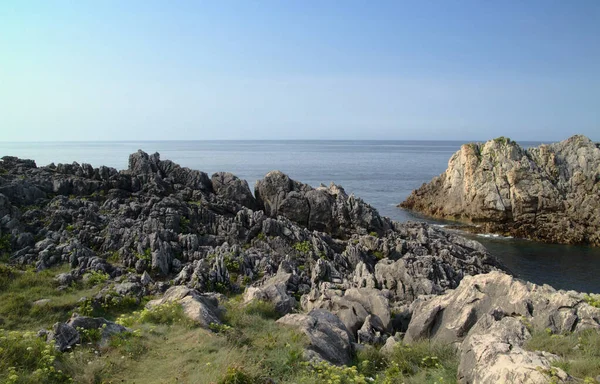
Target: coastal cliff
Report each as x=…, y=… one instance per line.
x=549, y=193
x=96, y=254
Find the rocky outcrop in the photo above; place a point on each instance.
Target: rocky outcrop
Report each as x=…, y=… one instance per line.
x=449, y=318
x=489, y=318
x=164, y=230
x=67, y=335
x=329, y=338
x=203, y=309
x=230, y=187
x=493, y=354
x=549, y=193
x=326, y=209
x=275, y=291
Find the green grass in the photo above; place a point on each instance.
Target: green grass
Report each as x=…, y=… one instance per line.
x=19, y=289
x=165, y=347
x=579, y=352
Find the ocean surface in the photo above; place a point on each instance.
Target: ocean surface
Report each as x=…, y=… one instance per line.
x=383, y=173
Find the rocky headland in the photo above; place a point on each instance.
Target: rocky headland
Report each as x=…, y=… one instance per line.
x=329, y=265
x=549, y=193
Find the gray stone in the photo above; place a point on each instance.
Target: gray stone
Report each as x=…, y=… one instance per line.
x=64, y=336
x=201, y=308
x=273, y=290
x=329, y=338
x=549, y=193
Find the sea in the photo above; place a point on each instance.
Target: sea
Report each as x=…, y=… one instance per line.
x=383, y=173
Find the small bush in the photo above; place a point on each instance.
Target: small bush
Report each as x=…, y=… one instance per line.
x=147, y=255
x=303, y=247
x=25, y=358
x=167, y=313
x=593, y=300
x=378, y=255
x=5, y=247
x=96, y=277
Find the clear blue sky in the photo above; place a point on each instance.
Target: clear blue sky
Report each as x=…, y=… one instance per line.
x=156, y=70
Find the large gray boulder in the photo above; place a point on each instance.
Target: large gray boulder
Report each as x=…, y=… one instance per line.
x=200, y=308
x=108, y=328
x=230, y=187
x=487, y=317
x=64, y=336
x=549, y=193
x=493, y=354
x=329, y=338
x=449, y=318
x=275, y=291
x=352, y=306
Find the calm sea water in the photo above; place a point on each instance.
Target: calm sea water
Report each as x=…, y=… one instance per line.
x=383, y=173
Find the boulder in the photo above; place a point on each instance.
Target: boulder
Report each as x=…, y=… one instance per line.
x=328, y=336
x=64, y=336
x=230, y=187
x=493, y=354
x=108, y=328
x=201, y=308
x=372, y=331
x=275, y=291
x=449, y=318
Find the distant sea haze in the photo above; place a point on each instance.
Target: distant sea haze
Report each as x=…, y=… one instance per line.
x=383, y=173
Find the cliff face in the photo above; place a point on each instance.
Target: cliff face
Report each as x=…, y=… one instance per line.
x=549, y=193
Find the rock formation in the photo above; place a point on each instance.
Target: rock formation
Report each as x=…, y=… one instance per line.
x=489, y=317
x=549, y=193
x=328, y=262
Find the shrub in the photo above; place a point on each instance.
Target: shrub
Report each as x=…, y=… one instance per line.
x=167, y=313
x=5, y=247
x=184, y=224
x=378, y=255
x=96, y=277
x=593, y=300
x=302, y=247
x=25, y=358
x=147, y=255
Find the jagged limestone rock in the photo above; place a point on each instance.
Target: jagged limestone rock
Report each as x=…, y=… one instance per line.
x=549, y=193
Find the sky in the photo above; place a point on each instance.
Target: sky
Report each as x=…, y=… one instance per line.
x=255, y=70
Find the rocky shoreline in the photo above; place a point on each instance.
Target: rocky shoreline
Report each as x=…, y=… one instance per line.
x=549, y=193
x=330, y=265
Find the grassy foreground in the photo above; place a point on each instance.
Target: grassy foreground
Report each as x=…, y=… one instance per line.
x=164, y=347
x=579, y=352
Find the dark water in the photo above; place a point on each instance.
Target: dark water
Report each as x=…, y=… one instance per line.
x=383, y=173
